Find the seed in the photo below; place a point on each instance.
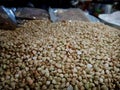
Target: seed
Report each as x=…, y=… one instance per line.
x=24, y=73
x=16, y=75
x=12, y=85
x=51, y=87
x=104, y=87
x=66, y=75
x=2, y=79
x=39, y=57
x=59, y=55
x=59, y=65
x=58, y=79
x=96, y=68
x=34, y=58
x=29, y=80
x=51, y=69
x=89, y=66
x=75, y=75
x=44, y=87
x=62, y=85
x=97, y=74
x=73, y=81
x=56, y=86
x=54, y=55
x=47, y=74
x=70, y=87
x=82, y=65
x=1, y=87
x=87, y=86
x=39, y=69
x=8, y=56
x=40, y=83
x=76, y=87
x=106, y=65
x=79, y=52
x=63, y=80
x=4, y=66
x=44, y=79
x=54, y=82
x=67, y=84
x=43, y=72
x=101, y=80
x=106, y=80
x=96, y=82
x=21, y=89
x=96, y=78
x=102, y=72
x=116, y=69
x=107, y=71
x=48, y=82
x=80, y=78
x=84, y=81
x=82, y=88
x=59, y=71
x=74, y=70
x=95, y=88
x=61, y=75
x=34, y=52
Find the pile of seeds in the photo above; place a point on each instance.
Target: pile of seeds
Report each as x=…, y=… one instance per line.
x=60, y=56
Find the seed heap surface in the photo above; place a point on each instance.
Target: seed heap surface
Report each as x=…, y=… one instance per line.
x=60, y=56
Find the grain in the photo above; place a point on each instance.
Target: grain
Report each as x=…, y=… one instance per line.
x=64, y=55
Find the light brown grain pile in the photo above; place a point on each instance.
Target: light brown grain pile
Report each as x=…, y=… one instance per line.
x=60, y=56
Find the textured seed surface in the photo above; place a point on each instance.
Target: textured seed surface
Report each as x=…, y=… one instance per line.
x=74, y=55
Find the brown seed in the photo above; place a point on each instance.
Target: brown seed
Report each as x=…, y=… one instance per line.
x=48, y=83
x=29, y=80
x=44, y=87
x=51, y=86
x=13, y=85
x=104, y=87
x=54, y=81
x=73, y=81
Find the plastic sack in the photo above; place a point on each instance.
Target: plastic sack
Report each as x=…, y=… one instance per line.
x=7, y=18
x=67, y=14
x=112, y=19
x=31, y=13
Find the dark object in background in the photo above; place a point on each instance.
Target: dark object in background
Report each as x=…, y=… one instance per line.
x=14, y=3
x=116, y=6
x=7, y=18
x=31, y=13
x=44, y=4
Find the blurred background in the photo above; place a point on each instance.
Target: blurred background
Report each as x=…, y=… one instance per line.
x=12, y=10
x=94, y=7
